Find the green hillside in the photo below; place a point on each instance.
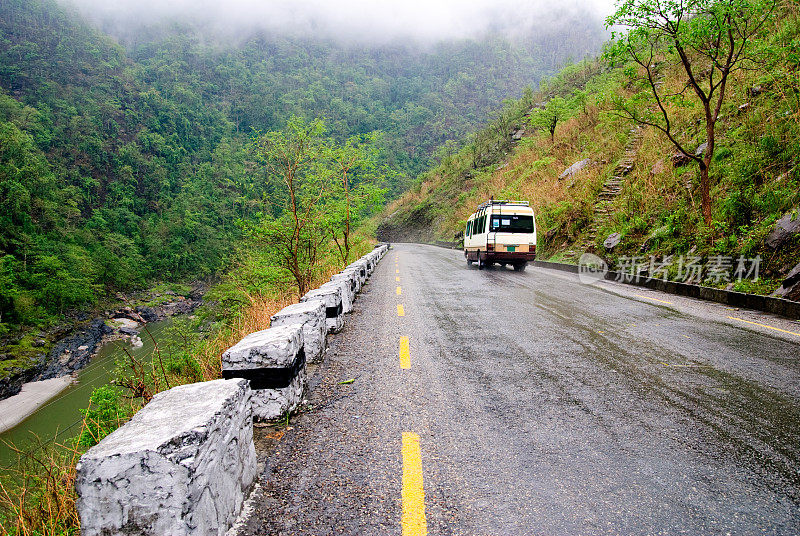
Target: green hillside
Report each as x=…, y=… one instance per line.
x=128, y=159
x=632, y=183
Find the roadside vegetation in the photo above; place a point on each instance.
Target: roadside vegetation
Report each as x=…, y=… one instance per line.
x=125, y=158
x=326, y=196
x=753, y=175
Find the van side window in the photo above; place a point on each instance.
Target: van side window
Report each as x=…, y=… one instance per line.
x=469, y=228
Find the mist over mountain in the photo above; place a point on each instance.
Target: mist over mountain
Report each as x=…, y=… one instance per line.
x=125, y=127
x=362, y=21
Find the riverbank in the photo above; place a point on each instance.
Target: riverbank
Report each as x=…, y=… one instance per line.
x=69, y=346
x=32, y=396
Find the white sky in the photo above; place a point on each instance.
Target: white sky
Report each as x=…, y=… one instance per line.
x=366, y=19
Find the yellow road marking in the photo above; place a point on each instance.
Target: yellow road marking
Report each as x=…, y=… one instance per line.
x=405, y=353
x=654, y=299
x=401, y=310
x=413, y=520
x=397, y=279
x=399, y=291
x=397, y=271
x=764, y=326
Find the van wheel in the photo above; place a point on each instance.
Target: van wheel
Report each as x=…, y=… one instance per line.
x=520, y=266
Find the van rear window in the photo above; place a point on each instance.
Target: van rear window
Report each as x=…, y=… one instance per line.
x=512, y=223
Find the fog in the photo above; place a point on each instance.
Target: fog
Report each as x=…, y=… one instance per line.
x=360, y=20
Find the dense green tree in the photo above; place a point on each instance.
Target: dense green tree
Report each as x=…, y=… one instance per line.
x=548, y=117
x=127, y=158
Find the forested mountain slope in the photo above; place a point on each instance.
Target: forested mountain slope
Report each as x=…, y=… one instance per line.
x=631, y=181
x=127, y=158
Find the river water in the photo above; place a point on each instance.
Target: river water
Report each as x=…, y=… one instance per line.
x=60, y=418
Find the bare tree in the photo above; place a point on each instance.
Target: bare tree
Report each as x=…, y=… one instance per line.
x=709, y=39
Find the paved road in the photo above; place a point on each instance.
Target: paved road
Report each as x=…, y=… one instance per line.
x=542, y=407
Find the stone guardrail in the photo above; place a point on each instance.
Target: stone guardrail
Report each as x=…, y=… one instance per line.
x=185, y=463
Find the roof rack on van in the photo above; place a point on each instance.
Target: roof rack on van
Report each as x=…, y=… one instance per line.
x=502, y=202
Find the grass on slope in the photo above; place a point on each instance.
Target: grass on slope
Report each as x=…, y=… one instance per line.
x=754, y=177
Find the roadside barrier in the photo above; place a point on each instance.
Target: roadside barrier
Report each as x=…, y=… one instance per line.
x=351, y=287
x=354, y=274
x=332, y=297
x=186, y=462
x=347, y=298
x=183, y=465
x=310, y=316
x=361, y=267
x=274, y=362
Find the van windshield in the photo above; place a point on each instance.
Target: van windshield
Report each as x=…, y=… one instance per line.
x=512, y=223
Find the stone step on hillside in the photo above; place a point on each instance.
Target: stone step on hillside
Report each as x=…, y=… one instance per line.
x=611, y=188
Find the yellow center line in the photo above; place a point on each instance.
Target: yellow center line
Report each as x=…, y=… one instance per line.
x=405, y=353
x=397, y=279
x=397, y=271
x=399, y=291
x=764, y=326
x=654, y=299
x=401, y=310
x=413, y=520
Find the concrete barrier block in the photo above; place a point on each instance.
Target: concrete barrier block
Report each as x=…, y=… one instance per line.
x=361, y=266
x=351, y=279
x=356, y=274
x=311, y=316
x=332, y=296
x=274, y=362
x=182, y=466
x=347, y=298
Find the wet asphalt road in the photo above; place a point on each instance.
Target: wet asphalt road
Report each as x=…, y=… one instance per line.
x=544, y=407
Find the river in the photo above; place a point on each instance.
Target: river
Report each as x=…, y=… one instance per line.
x=60, y=418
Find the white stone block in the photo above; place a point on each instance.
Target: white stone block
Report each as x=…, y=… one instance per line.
x=311, y=316
x=370, y=260
x=182, y=466
x=353, y=272
x=350, y=277
x=361, y=266
x=274, y=362
x=332, y=296
x=347, y=295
